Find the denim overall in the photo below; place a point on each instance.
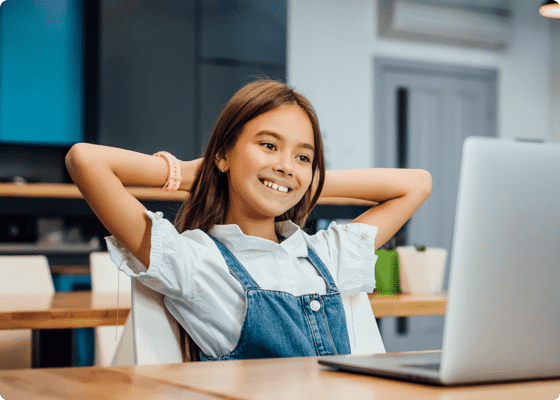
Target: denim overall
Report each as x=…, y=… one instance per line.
x=278, y=324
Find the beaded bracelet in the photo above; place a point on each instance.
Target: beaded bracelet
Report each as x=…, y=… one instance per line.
x=174, y=177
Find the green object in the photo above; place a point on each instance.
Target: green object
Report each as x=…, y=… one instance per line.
x=387, y=279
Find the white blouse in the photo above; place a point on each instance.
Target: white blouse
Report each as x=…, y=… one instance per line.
x=209, y=302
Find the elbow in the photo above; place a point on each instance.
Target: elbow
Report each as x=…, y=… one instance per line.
x=76, y=157
x=424, y=183
x=69, y=159
x=428, y=184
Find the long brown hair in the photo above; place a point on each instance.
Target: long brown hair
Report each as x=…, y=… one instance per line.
x=207, y=204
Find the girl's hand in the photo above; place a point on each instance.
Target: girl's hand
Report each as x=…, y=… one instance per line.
x=101, y=174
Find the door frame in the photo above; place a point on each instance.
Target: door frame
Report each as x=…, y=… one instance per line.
x=386, y=64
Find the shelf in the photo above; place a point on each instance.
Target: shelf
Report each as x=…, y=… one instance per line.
x=70, y=191
x=61, y=248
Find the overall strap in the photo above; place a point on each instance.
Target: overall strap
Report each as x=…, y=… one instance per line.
x=323, y=270
x=235, y=267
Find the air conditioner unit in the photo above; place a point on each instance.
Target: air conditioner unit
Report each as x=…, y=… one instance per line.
x=463, y=24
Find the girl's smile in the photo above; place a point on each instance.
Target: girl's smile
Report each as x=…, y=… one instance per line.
x=270, y=166
x=274, y=186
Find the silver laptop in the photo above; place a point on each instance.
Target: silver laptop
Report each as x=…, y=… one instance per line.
x=502, y=321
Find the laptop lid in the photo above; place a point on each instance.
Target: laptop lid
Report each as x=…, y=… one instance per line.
x=503, y=313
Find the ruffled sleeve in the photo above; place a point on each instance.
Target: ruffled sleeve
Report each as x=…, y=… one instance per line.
x=348, y=250
x=171, y=259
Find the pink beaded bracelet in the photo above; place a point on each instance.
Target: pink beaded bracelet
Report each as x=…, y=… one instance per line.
x=174, y=177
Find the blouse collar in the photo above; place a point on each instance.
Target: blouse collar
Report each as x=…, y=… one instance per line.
x=234, y=239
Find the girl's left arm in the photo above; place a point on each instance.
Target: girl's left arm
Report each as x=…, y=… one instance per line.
x=398, y=192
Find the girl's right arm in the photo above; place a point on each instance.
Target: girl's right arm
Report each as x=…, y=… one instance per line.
x=101, y=174
x=399, y=192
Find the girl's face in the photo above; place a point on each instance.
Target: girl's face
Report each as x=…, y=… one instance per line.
x=274, y=149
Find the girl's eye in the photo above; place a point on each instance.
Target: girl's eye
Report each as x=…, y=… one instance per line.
x=304, y=158
x=269, y=146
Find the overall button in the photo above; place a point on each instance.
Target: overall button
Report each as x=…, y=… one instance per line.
x=158, y=215
x=315, y=305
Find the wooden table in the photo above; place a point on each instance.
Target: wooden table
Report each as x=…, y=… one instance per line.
x=62, y=310
x=71, y=310
x=288, y=378
x=89, y=383
x=407, y=305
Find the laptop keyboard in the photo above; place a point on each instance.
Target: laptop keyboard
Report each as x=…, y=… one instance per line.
x=434, y=366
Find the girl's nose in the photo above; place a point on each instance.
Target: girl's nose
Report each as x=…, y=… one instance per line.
x=284, y=165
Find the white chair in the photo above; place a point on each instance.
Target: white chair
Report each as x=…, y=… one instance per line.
x=363, y=333
x=151, y=334
x=21, y=274
x=105, y=278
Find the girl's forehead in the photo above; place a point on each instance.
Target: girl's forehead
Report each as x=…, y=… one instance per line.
x=284, y=120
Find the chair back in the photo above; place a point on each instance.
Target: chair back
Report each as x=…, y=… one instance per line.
x=106, y=278
x=156, y=334
x=363, y=332
x=124, y=353
x=152, y=335
x=25, y=274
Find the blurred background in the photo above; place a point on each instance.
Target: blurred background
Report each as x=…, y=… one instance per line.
x=396, y=83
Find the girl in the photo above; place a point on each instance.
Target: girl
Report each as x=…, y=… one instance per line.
x=237, y=271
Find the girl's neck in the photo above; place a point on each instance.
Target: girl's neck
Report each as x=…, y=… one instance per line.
x=265, y=230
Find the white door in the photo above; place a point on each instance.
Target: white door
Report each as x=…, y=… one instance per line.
x=423, y=113
x=440, y=109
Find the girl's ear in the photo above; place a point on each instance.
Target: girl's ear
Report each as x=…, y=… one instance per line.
x=220, y=159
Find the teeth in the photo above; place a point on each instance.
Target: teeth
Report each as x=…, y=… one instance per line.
x=275, y=186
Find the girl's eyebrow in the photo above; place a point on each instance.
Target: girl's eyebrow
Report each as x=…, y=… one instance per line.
x=280, y=138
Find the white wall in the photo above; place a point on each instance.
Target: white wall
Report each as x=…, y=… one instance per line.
x=555, y=79
x=331, y=49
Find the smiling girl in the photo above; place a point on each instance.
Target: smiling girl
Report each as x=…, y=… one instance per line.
x=237, y=271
